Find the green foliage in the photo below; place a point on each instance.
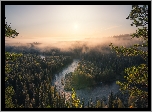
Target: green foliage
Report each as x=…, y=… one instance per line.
x=75, y=101
x=139, y=15
x=98, y=104
x=137, y=79
x=9, y=92
x=105, y=68
x=10, y=58
x=110, y=100
x=9, y=32
x=30, y=76
x=48, y=106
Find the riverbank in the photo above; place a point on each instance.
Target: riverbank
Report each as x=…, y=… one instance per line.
x=99, y=91
x=88, y=74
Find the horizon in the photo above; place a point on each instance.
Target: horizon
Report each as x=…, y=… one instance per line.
x=67, y=23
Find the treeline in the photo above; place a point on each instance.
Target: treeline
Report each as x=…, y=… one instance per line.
x=33, y=49
x=99, y=67
x=110, y=62
x=28, y=84
x=28, y=80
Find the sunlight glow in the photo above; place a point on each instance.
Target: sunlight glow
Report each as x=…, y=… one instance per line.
x=76, y=26
x=66, y=22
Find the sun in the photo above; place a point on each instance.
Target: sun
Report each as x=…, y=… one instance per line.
x=76, y=26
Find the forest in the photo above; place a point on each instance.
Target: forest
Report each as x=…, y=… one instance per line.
x=29, y=77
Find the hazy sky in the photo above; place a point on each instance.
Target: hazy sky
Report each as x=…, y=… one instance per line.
x=68, y=22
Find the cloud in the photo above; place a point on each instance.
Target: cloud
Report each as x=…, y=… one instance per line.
x=112, y=27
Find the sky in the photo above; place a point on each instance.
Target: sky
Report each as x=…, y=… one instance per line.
x=44, y=23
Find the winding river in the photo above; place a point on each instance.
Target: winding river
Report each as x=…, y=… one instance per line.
x=87, y=93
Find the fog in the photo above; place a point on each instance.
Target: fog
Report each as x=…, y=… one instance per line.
x=86, y=44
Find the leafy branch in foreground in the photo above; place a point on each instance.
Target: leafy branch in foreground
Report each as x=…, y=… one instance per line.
x=9, y=32
x=137, y=79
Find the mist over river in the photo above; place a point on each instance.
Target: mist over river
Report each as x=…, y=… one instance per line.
x=98, y=91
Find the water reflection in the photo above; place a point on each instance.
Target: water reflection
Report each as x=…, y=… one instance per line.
x=43, y=57
x=90, y=92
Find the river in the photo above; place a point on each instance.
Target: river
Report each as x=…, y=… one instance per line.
x=87, y=93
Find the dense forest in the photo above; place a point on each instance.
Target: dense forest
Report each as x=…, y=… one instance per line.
x=28, y=76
